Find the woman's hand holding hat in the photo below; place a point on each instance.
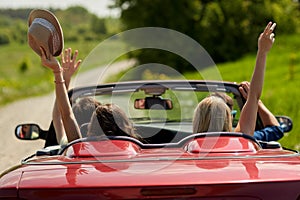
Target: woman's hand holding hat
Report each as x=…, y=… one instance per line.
x=53, y=64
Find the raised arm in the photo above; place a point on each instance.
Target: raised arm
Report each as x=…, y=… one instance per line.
x=69, y=65
x=68, y=118
x=248, y=114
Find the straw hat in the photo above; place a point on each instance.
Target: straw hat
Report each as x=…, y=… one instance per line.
x=45, y=31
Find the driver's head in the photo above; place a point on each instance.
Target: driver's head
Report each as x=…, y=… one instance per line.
x=226, y=98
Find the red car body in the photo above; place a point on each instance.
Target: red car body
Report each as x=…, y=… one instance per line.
x=196, y=166
x=215, y=166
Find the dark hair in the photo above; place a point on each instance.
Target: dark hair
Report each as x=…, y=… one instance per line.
x=84, y=109
x=111, y=120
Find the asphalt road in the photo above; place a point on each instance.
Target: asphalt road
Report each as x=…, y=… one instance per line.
x=38, y=110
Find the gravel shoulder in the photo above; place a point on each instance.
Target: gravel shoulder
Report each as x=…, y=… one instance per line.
x=38, y=110
x=33, y=110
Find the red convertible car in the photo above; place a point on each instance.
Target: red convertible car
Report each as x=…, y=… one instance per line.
x=174, y=163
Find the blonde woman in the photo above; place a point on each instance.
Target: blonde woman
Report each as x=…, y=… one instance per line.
x=213, y=115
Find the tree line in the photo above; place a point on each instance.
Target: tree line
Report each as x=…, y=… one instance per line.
x=226, y=29
x=78, y=24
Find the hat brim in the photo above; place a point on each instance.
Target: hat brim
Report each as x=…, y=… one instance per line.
x=45, y=14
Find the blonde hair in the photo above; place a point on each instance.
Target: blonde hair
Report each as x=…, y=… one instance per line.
x=212, y=115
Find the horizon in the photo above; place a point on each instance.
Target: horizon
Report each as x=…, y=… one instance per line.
x=98, y=7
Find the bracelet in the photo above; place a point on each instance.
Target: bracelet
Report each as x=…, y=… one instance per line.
x=59, y=82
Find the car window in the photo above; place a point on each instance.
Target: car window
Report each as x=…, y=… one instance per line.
x=184, y=104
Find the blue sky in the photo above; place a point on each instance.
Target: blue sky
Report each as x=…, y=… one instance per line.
x=99, y=7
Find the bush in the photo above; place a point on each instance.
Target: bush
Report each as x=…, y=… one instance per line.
x=4, y=38
x=24, y=65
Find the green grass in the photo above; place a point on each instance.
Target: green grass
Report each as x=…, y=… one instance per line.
x=14, y=82
x=19, y=80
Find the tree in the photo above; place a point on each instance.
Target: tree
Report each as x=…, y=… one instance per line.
x=226, y=29
x=98, y=25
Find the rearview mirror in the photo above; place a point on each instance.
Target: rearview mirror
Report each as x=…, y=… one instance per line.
x=27, y=131
x=155, y=103
x=285, y=122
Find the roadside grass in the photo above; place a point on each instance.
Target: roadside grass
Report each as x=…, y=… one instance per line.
x=22, y=75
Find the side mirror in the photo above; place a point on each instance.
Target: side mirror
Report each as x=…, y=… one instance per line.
x=155, y=103
x=285, y=122
x=28, y=131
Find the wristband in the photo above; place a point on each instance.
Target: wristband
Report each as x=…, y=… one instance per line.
x=59, y=82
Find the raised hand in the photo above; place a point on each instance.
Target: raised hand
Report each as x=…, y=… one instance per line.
x=69, y=63
x=267, y=38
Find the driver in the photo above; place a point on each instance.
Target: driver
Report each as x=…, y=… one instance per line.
x=271, y=131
